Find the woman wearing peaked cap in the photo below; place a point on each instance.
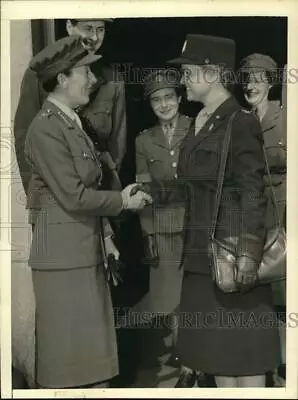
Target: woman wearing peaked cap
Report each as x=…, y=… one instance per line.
x=223, y=334
x=75, y=334
x=157, y=153
x=259, y=73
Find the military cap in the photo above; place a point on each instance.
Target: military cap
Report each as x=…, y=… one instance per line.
x=205, y=50
x=92, y=19
x=161, y=79
x=60, y=56
x=258, y=62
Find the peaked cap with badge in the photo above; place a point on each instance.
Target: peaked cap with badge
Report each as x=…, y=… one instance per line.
x=60, y=56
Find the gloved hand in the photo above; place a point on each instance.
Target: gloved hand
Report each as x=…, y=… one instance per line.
x=114, y=270
x=151, y=251
x=247, y=273
x=136, y=201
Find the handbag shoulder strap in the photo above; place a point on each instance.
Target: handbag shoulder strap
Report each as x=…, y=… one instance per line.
x=221, y=173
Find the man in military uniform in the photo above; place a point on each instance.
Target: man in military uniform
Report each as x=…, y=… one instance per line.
x=105, y=115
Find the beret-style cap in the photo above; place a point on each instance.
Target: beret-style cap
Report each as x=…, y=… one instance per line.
x=62, y=55
x=161, y=79
x=204, y=50
x=258, y=62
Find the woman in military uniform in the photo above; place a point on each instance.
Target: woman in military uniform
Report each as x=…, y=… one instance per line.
x=157, y=152
x=222, y=334
x=75, y=334
x=259, y=74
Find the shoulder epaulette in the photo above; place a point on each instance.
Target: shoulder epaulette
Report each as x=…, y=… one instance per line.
x=144, y=131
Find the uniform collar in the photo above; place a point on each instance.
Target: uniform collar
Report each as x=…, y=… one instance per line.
x=65, y=109
x=219, y=115
x=271, y=115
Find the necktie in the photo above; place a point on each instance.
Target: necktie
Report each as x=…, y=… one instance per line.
x=201, y=119
x=169, y=132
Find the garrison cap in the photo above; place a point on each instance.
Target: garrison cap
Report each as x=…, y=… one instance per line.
x=161, y=79
x=258, y=62
x=205, y=50
x=62, y=55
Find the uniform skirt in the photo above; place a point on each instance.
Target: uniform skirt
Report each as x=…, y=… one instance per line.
x=227, y=334
x=166, y=279
x=75, y=334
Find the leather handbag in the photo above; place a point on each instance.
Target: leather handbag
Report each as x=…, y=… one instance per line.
x=222, y=252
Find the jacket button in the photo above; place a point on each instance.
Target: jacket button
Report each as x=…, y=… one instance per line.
x=172, y=152
x=174, y=165
x=175, y=176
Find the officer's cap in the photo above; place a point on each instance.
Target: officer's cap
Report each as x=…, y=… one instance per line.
x=61, y=56
x=161, y=79
x=205, y=50
x=92, y=19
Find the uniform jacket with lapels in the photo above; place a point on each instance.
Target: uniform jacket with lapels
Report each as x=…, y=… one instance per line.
x=157, y=159
x=243, y=205
x=66, y=186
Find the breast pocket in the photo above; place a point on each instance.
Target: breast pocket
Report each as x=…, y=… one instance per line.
x=87, y=167
x=155, y=166
x=205, y=160
x=100, y=117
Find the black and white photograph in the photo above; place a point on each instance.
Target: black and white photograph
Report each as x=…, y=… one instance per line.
x=148, y=201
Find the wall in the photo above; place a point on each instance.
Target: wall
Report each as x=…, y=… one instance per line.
x=22, y=291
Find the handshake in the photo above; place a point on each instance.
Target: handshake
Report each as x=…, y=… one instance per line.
x=135, y=198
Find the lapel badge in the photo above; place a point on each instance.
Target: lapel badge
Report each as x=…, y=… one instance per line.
x=211, y=127
x=217, y=116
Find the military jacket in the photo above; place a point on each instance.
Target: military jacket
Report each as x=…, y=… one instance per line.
x=156, y=159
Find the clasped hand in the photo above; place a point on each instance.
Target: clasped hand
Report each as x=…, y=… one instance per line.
x=135, y=199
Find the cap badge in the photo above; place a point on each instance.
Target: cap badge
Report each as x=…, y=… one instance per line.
x=207, y=61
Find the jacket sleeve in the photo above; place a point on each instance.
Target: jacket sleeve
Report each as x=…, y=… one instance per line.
x=117, y=139
x=143, y=176
x=47, y=150
x=30, y=102
x=248, y=167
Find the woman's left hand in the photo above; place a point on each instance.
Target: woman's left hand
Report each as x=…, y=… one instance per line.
x=111, y=248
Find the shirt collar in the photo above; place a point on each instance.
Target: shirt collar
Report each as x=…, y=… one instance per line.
x=170, y=125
